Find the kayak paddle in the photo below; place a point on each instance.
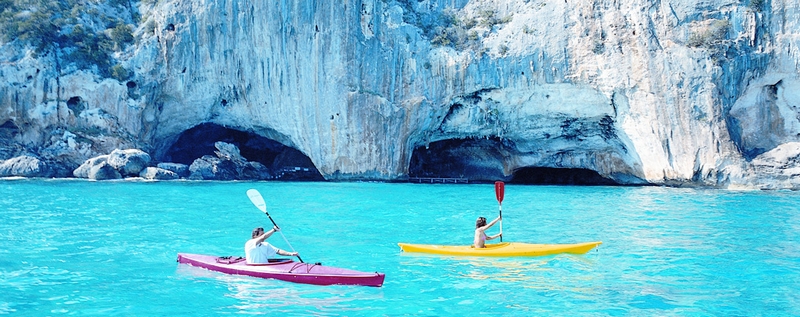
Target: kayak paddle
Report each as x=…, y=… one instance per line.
x=499, y=191
x=256, y=199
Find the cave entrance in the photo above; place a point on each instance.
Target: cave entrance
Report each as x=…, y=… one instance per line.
x=559, y=176
x=285, y=163
x=473, y=160
x=8, y=131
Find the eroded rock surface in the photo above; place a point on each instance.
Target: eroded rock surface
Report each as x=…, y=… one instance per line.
x=667, y=92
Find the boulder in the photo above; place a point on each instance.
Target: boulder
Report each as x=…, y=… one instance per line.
x=83, y=170
x=25, y=166
x=227, y=151
x=155, y=173
x=129, y=162
x=212, y=168
x=104, y=171
x=254, y=171
x=182, y=170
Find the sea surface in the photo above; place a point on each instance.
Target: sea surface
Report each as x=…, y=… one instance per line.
x=109, y=248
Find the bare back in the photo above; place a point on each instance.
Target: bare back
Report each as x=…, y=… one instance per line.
x=480, y=238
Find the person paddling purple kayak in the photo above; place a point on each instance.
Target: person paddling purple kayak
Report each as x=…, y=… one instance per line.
x=257, y=250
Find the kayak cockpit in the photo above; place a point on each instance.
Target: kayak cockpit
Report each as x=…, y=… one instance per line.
x=492, y=246
x=236, y=259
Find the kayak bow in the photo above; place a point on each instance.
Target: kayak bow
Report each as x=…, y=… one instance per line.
x=501, y=249
x=285, y=270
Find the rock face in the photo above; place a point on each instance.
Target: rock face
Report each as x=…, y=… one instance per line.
x=674, y=93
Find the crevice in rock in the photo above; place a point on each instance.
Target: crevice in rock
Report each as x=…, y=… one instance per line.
x=284, y=162
x=558, y=176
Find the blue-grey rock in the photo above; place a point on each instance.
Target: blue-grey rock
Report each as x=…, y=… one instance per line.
x=129, y=162
x=155, y=173
x=103, y=171
x=182, y=170
x=25, y=166
x=212, y=168
x=83, y=170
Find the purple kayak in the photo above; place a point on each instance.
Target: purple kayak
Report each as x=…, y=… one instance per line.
x=285, y=270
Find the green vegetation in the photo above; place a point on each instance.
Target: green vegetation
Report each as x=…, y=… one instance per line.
x=76, y=32
x=121, y=35
x=465, y=33
x=711, y=35
x=503, y=50
x=451, y=27
x=119, y=72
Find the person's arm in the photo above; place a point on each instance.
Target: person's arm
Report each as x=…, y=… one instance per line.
x=495, y=236
x=490, y=224
x=267, y=234
x=287, y=253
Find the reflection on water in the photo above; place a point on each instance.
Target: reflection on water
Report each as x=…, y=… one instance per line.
x=527, y=272
x=274, y=296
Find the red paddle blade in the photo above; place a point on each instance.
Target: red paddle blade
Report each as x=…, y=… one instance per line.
x=499, y=190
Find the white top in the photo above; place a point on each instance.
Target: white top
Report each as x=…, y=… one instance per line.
x=259, y=252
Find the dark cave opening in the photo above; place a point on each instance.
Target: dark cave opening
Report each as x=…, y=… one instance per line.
x=8, y=130
x=285, y=162
x=477, y=160
x=558, y=176
x=480, y=160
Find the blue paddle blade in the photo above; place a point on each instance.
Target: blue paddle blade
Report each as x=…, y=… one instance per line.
x=256, y=199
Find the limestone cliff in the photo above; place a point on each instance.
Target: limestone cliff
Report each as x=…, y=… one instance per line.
x=674, y=92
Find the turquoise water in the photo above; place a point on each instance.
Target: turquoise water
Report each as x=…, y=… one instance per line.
x=109, y=248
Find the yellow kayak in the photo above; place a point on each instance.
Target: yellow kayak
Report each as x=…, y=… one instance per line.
x=501, y=249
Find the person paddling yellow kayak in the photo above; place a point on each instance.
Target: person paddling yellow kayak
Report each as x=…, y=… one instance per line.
x=480, y=232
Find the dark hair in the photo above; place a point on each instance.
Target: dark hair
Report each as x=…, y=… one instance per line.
x=257, y=232
x=480, y=222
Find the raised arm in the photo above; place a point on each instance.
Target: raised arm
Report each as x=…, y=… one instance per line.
x=490, y=224
x=267, y=234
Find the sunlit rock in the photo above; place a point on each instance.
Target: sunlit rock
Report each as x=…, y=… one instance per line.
x=674, y=93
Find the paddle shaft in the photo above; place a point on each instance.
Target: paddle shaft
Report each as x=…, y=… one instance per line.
x=500, y=207
x=284, y=237
x=500, y=191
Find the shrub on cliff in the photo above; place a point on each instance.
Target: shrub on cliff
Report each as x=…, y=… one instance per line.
x=710, y=34
x=76, y=32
